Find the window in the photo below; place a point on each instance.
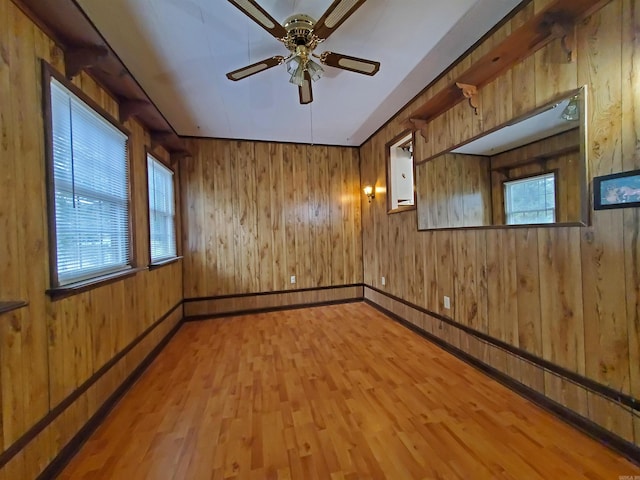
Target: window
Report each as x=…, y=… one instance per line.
x=400, y=183
x=530, y=200
x=89, y=189
x=162, y=230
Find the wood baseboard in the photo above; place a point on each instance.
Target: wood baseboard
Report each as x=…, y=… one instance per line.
x=54, y=414
x=618, y=444
x=226, y=305
x=70, y=449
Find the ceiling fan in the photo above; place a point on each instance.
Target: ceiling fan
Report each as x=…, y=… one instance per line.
x=301, y=34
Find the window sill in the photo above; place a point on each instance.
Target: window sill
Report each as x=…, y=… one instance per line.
x=404, y=208
x=162, y=263
x=57, y=293
x=9, y=306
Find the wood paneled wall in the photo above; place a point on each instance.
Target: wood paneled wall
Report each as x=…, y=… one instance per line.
x=257, y=213
x=49, y=348
x=569, y=295
x=454, y=190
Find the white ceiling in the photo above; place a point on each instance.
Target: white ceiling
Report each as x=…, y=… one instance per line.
x=545, y=124
x=180, y=50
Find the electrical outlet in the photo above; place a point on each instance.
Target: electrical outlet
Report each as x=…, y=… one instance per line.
x=293, y=279
x=447, y=303
x=383, y=281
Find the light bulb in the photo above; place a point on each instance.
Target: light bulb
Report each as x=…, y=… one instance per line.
x=297, y=78
x=292, y=64
x=315, y=70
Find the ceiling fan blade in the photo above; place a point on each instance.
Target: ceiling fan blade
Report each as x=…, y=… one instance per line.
x=305, y=91
x=353, y=64
x=337, y=13
x=261, y=17
x=254, y=68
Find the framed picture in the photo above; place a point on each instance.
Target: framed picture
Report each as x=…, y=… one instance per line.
x=620, y=190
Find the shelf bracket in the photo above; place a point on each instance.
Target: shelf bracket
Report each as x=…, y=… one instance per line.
x=130, y=108
x=470, y=92
x=179, y=155
x=420, y=124
x=77, y=59
x=160, y=138
x=564, y=29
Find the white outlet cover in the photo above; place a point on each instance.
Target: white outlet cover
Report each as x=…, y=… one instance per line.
x=447, y=302
x=293, y=279
x=383, y=280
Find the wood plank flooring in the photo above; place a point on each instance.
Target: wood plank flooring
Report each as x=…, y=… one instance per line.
x=338, y=392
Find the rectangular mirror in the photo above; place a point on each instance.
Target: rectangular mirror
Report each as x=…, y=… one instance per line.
x=531, y=171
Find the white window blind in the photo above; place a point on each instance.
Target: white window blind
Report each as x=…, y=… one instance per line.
x=530, y=200
x=161, y=211
x=90, y=175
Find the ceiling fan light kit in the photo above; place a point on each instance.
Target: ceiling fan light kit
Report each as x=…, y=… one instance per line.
x=301, y=34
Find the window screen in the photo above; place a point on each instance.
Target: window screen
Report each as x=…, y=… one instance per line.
x=90, y=177
x=161, y=211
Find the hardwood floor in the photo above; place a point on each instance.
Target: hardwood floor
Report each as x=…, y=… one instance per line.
x=338, y=392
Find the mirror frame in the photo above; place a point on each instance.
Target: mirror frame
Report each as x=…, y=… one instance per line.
x=387, y=149
x=585, y=183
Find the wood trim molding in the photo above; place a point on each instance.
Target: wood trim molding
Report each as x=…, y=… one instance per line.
x=56, y=411
x=605, y=437
x=275, y=292
x=245, y=303
x=587, y=383
x=9, y=306
x=254, y=311
x=57, y=293
x=168, y=261
x=387, y=150
x=70, y=449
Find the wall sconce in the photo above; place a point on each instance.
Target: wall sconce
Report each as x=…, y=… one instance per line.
x=370, y=192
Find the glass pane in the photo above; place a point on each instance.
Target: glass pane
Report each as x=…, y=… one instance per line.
x=161, y=211
x=91, y=190
x=530, y=200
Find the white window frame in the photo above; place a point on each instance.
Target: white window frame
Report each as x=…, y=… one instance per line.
x=533, y=178
x=117, y=239
x=163, y=211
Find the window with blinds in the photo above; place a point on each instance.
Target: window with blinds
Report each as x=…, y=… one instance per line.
x=162, y=227
x=90, y=182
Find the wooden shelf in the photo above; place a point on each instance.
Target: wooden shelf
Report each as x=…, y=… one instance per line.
x=87, y=50
x=557, y=20
x=8, y=306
